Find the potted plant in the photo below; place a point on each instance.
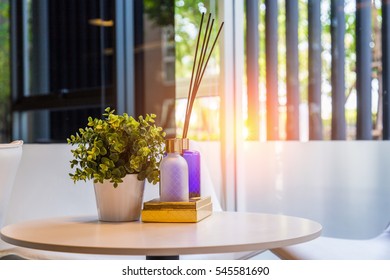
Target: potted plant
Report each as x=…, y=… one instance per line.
x=118, y=152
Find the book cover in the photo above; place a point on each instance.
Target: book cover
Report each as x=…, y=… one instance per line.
x=177, y=215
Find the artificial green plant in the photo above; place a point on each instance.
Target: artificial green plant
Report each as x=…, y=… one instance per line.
x=117, y=145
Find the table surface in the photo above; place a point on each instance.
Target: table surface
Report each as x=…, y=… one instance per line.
x=222, y=232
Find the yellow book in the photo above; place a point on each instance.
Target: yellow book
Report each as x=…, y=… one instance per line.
x=177, y=215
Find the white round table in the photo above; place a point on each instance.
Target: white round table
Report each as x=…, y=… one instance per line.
x=221, y=232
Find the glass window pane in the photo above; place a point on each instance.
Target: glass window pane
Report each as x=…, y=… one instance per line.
x=70, y=45
x=4, y=73
x=64, y=66
x=204, y=123
x=155, y=62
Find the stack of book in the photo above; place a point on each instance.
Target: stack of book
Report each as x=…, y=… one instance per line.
x=191, y=211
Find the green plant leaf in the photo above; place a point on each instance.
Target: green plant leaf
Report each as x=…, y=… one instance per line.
x=116, y=145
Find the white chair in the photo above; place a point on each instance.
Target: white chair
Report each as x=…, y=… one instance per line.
x=327, y=248
x=10, y=155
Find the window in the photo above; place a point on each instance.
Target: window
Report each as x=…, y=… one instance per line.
x=72, y=59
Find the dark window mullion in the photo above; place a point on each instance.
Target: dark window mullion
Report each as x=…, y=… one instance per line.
x=89, y=98
x=292, y=65
x=338, y=130
x=386, y=68
x=314, y=94
x=139, y=61
x=363, y=70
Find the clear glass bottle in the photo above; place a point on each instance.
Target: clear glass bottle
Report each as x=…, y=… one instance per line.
x=173, y=173
x=193, y=160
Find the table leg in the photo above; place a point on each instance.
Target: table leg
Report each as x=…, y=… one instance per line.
x=162, y=257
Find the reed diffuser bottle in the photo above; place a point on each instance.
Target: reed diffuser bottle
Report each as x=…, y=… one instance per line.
x=193, y=161
x=198, y=69
x=174, y=173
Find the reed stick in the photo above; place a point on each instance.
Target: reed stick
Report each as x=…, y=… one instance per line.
x=200, y=69
x=204, y=48
x=196, y=86
x=194, y=63
x=191, y=91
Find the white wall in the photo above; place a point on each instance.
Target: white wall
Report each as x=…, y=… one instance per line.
x=344, y=185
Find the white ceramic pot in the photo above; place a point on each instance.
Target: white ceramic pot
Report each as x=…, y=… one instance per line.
x=120, y=204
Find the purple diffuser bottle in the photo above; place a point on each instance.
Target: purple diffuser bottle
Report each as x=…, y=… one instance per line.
x=193, y=161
